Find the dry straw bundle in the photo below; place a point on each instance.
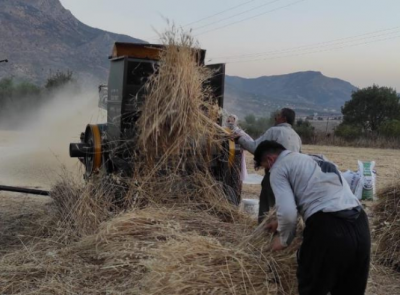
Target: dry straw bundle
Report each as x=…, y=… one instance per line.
x=178, y=135
x=180, y=236
x=173, y=121
x=387, y=226
x=82, y=207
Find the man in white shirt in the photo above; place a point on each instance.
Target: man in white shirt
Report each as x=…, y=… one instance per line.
x=335, y=254
x=282, y=133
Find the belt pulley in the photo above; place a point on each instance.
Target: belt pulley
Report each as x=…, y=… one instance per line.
x=93, y=158
x=89, y=150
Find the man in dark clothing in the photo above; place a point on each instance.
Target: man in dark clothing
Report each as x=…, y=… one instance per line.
x=335, y=254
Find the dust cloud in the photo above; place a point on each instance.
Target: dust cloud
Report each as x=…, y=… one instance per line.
x=37, y=153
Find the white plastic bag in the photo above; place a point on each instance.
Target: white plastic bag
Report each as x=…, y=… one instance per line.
x=367, y=180
x=353, y=179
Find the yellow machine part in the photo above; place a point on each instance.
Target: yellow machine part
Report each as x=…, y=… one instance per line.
x=96, y=147
x=231, y=157
x=141, y=51
x=147, y=51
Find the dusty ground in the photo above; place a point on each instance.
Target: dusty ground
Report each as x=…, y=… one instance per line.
x=21, y=215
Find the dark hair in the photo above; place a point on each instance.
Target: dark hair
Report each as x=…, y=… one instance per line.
x=266, y=147
x=289, y=114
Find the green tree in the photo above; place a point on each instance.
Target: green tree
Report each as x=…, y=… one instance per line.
x=370, y=107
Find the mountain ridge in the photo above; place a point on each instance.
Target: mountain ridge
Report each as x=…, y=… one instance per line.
x=307, y=91
x=41, y=36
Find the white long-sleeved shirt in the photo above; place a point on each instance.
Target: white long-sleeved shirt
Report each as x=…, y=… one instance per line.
x=300, y=186
x=282, y=133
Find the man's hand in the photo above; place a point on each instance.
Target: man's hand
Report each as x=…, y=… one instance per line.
x=272, y=226
x=276, y=244
x=233, y=136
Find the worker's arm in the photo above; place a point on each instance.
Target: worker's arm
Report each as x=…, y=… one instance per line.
x=243, y=134
x=250, y=144
x=286, y=209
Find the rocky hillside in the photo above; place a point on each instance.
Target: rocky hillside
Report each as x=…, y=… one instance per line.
x=307, y=92
x=40, y=36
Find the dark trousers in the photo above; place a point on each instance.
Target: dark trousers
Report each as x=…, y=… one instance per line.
x=334, y=256
x=267, y=198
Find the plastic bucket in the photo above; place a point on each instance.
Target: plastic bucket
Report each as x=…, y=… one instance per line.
x=250, y=206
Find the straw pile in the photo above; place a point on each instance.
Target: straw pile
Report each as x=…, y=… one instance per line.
x=150, y=251
x=387, y=227
x=178, y=134
x=177, y=234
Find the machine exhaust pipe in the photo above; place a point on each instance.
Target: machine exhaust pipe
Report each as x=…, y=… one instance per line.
x=78, y=150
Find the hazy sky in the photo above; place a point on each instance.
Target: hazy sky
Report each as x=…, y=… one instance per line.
x=355, y=40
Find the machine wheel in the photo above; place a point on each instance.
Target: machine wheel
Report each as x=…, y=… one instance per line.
x=93, y=143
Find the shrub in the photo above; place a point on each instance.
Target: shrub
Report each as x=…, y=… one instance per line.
x=348, y=132
x=390, y=129
x=305, y=130
x=59, y=79
x=256, y=126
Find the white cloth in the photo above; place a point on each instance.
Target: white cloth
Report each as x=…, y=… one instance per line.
x=300, y=186
x=243, y=171
x=282, y=133
x=243, y=168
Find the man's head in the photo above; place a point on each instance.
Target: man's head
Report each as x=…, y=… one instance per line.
x=231, y=121
x=266, y=154
x=285, y=116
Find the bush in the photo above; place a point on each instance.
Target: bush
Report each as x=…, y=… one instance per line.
x=348, y=132
x=305, y=130
x=59, y=79
x=390, y=129
x=255, y=127
x=18, y=98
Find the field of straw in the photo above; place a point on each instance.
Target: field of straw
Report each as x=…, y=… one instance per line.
x=175, y=233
